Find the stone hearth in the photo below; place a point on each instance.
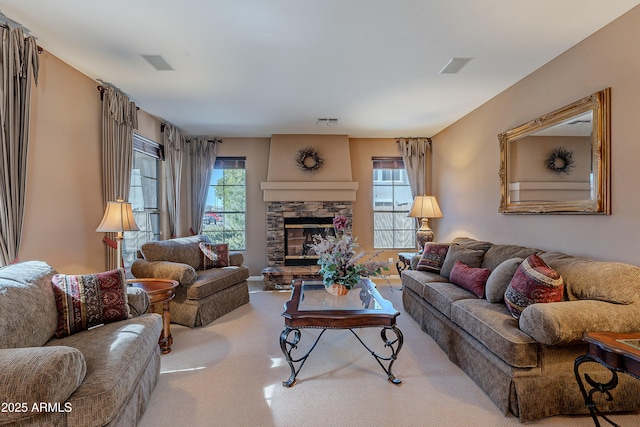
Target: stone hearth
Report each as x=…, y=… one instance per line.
x=277, y=275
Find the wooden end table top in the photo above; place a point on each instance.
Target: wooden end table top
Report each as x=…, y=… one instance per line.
x=620, y=351
x=159, y=290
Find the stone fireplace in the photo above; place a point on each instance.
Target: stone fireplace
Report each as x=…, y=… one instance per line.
x=292, y=193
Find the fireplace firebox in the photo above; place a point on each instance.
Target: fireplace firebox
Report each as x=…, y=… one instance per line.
x=298, y=238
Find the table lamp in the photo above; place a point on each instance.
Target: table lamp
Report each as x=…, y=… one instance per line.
x=424, y=207
x=118, y=217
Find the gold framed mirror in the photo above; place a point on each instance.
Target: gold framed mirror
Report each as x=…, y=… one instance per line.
x=559, y=163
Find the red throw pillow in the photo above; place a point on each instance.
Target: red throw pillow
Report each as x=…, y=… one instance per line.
x=469, y=278
x=533, y=282
x=433, y=257
x=85, y=301
x=215, y=255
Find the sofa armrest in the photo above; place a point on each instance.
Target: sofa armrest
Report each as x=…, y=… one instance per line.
x=32, y=375
x=567, y=321
x=183, y=273
x=236, y=259
x=138, y=301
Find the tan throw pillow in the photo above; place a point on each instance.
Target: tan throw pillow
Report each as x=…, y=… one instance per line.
x=470, y=257
x=500, y=278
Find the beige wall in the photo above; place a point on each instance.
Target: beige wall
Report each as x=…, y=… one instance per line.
x=362, y=150
x=256, y=151
x=466, y=154
x=64, y=193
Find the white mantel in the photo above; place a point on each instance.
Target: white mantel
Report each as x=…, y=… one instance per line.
x=286, y=182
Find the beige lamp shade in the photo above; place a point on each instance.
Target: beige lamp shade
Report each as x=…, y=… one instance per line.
x=118, y=217
x=425, y=207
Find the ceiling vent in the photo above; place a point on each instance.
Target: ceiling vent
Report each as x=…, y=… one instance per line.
x=455, y=64
x=158, y=62
x=326, y=122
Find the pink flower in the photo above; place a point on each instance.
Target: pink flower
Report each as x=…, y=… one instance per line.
x=340, y=222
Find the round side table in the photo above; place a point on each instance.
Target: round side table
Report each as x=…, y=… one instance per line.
x=160, y=291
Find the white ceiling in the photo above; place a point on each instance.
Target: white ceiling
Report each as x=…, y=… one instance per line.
x=259, y=67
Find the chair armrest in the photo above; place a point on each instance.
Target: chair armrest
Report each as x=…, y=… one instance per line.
x=138, y=301
x=236, y=259
x=38, y=374
x=183, y=273
x=567, y=321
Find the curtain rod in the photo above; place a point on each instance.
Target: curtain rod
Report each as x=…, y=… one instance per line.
x=216, y=139
x=412, y=137
x=8, y=22
x=102, y=90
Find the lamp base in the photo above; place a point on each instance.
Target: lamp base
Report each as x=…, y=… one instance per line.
x=424, y=234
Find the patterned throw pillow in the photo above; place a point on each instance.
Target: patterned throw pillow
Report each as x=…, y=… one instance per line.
x=433, y=257
x=533, y=282
x=469, y=278
x=85, y=301
x=215, y=255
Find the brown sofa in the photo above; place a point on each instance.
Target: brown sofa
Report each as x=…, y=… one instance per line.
x=525, y=365
x=103, y=376
x=204, y=294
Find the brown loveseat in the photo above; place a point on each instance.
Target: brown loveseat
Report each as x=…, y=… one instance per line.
x=204, y=294
x=525, y=365
x=103, y=376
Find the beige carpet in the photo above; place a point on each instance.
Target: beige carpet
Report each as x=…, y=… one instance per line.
x=230, y=373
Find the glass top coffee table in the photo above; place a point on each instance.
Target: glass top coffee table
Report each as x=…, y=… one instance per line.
x=311, y=306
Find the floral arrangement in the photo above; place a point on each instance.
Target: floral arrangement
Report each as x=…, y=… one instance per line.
x=341, y=261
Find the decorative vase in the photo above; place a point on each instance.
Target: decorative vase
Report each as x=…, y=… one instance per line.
x=337, y=289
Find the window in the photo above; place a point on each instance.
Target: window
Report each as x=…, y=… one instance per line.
x=143, y=196
x=224, y=219
x=391, y=204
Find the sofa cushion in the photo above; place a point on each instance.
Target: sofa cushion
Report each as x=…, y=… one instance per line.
x=533, y=282
x=432, y=257
x=470, y=257
x=116, y=355
x=85, y=301
x=216, y=255
x=27, y=305
x=183, y=273
x=597, y=280
x=497, y=254
x=469, y=278
x=469, y=243
x=500, y=278
x=185, y=250
x=416, y=280
x=495, y=327
x=566, y=322
x=442, y=294
x=214, y=280
x=39, y=374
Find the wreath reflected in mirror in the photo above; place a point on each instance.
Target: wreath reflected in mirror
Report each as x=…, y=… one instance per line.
x=309, y=159
x=560, y=161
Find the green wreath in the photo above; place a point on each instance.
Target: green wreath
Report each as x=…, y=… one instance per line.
x=309, y=159
x=560, y=161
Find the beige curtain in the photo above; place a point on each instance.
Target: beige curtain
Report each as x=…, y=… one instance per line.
x=416, y=155
x=19, y=71
x=174, y=149
x=203, y=157
x=119, y=119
